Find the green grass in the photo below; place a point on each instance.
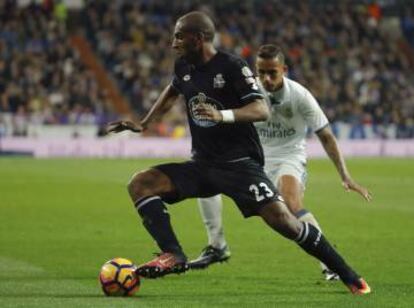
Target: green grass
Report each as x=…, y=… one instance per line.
x=60, y=220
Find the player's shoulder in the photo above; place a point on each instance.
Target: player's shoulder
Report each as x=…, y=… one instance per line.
x=295, y=86
x=181, y=67
x=230, y=61
x=296, y=90
x=228, y=57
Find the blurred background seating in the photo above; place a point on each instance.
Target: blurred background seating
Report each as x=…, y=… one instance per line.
x=356, y=57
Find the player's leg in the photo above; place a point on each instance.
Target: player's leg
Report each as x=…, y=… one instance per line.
x=145, y=189
x=211, y=211
x=217, y=249
x=148, y=190
x=255, y=194
x=310, y=239
x=291, y=190
x=289, y=177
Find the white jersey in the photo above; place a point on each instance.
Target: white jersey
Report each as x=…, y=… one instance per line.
x=294, y=110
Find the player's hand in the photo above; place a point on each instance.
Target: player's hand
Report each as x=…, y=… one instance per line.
x=119, y=126
x=208, y=112
x=349, y=185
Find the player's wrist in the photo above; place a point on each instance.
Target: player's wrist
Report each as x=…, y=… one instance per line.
x=227, y=116
x=144, y=124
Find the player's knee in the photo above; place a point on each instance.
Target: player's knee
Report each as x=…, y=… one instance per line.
x=140, y=185
x=280, y=219
x=274, y=214
x=288, y=226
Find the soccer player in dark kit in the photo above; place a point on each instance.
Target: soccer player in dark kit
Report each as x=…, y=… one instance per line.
x=223, y=100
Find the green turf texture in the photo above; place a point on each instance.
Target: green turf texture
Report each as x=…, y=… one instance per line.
x=60, y=220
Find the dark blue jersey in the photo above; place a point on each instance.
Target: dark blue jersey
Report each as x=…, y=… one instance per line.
x=225, y=82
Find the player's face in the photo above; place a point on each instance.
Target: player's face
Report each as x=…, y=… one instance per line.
x=270, y=72
x=186, y=44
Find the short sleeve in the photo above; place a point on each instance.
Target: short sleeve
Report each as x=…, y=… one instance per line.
x=180, y=70
x=312, y=113
x=244, y=82
x=175, y=83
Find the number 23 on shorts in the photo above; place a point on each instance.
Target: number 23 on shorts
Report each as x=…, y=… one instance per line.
x=261, y=191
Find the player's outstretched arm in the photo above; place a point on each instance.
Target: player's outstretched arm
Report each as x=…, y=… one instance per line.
x=164, y=103
x=120, y=126
x=330, y=145
x=255, y=111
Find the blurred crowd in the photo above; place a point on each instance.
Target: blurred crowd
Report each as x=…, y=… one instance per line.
x=339, y=50
x=42, y=80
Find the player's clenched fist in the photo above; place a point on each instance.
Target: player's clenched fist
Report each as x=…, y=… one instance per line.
x=207, y=112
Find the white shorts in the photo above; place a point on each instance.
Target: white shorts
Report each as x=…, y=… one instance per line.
x=276, y=169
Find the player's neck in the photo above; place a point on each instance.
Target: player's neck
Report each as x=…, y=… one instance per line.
x=207, y=53
x=278, y=88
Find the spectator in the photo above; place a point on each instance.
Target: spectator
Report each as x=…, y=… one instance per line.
x=337, y=50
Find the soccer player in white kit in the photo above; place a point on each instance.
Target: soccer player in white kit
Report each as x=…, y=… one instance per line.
x=294, y=110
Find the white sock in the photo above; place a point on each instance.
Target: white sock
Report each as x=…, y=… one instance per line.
x=309, y=218
x=210, y=209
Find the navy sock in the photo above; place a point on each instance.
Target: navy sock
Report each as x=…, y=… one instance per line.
x=156, y=220
x=314, y=243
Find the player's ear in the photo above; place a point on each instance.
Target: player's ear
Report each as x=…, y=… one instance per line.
x=200, y=37
x=285, y=68
x=256, y=68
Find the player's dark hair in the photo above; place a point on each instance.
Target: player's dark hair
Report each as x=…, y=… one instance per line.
x=270, y=51
x=198, y=22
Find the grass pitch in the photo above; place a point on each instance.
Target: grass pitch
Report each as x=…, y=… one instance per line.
x=60, y=220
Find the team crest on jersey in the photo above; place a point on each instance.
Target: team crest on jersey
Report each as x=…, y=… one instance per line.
x=219, y=81
x=186, y=77
x=287, y=112
x=201, y=98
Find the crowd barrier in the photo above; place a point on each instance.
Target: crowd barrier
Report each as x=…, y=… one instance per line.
x=165, y=147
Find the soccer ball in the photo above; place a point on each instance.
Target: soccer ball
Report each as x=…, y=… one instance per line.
x=118, y=278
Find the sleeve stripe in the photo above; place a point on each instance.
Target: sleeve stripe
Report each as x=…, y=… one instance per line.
x=252, y=95
x=320, y=128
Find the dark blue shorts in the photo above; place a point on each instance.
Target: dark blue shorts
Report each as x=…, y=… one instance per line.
x=244, y=181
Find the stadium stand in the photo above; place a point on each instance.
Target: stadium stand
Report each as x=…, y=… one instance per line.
x=42, y=79
x=353, y=56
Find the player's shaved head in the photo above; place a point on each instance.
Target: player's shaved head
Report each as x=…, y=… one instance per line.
x=270, y=51
x=198, y=22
